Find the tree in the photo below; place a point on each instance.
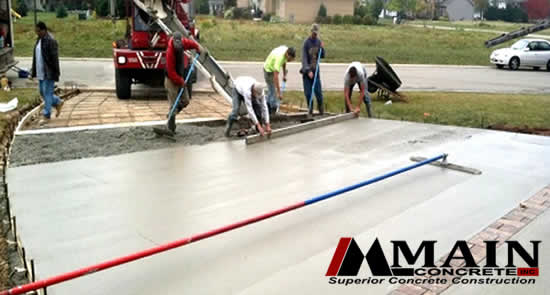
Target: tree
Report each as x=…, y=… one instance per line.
x=203, y=7
x=361, y=10
x=322, y=11
x=230, y=3
x=23, y=9
x=102, y=7
x=402, y=6
x=481, y=6
x=375, y=7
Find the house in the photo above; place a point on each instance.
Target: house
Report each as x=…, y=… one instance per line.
x=40, y=4
x=459, y=9
x=216, y=7
x=305, y=11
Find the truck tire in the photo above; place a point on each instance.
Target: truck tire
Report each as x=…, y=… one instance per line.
x=123, y=84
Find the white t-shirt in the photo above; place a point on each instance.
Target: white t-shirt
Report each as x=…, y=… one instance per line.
x=361, y=77
x=244, y=87
x=40, y=75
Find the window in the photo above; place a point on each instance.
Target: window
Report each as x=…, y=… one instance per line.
x=543, y=46
x=520, y=44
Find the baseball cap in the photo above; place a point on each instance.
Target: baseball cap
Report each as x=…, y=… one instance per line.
x=258, y=89
x=315, y=28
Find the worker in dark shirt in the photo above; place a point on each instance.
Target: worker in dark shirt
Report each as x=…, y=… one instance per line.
x=313, y=46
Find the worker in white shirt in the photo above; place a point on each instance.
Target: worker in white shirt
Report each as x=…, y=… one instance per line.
x=250, y=92
x=357, y=74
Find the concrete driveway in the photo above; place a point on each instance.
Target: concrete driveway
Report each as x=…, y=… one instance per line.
x=81, y=212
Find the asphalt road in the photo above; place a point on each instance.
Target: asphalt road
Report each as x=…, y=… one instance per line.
x=99, y=73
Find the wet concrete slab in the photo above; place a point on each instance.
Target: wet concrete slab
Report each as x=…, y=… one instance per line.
x=81, y=212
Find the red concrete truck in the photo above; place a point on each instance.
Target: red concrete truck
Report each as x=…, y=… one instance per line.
x=141, y=56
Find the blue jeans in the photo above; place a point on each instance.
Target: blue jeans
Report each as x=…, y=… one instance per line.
x=308, y=84
x=272, y=100
x=46, y=90
x=238, y=100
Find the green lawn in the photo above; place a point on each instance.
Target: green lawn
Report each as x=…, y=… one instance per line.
x=478, y=110
x=25, y=96
x=485, y=25
x=77, y=38
x=252, y=41
x=230, y=40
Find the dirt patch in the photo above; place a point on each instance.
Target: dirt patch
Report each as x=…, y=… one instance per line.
x=525, y=129
x=55, y=147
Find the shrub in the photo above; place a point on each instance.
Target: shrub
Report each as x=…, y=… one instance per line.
x=322, y=11
x=337, y=19
x=369, y=20
x=238, y=13
x=266, y=17
x=348, y=19
x=326, y=20
x=356, y=20
x=61, y=11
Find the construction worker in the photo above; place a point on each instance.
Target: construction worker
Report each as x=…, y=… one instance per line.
x=251, y=93
x=356, y=74
x=45, y=67
x=310, y=58
x=274, y=64
x=176, y=63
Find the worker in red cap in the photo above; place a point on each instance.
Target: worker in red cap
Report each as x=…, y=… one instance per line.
x=176, y=65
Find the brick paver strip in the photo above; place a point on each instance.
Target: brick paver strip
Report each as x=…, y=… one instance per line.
x=96, y=108
x=500, y=230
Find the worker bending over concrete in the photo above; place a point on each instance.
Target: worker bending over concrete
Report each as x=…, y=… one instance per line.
x=274, y=64
x=176, y=63
x=248, y=91
x=357, y=74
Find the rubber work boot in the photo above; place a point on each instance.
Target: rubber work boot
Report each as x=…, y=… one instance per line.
x=321, y=109
x=171, y=125
x=228, y=126
x=369, y=112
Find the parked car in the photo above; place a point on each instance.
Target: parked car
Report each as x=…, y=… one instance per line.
x=525, y=52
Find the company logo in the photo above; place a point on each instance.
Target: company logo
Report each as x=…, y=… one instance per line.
x=348, y=259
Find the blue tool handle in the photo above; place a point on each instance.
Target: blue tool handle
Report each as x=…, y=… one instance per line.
x=183, y=88
x=315, y=79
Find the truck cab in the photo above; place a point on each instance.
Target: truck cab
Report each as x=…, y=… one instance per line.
x=6, y=37
x=141, y=56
